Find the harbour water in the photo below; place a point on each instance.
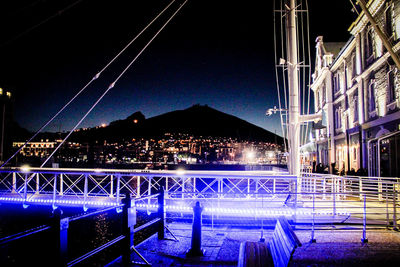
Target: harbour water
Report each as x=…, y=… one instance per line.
x=84, y=235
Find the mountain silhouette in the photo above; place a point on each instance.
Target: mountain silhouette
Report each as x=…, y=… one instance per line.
x=197, y=121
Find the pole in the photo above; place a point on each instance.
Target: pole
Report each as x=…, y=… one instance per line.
x=60, y=234
x=364, y=238
x=313, y=240
x=161, y=214
x=294, y=103
x=127, y=228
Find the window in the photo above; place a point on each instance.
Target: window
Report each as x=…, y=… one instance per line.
x=355, y=109
x=369, y=44
x=389, y=22
x=390, y=84
x=353, y=66
x=371, y=96
x=335, y=83
x=338, y=118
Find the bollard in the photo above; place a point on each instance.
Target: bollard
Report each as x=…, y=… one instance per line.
x=161, y=214
x=60, y=235
x=195, y=250
x=127, y=231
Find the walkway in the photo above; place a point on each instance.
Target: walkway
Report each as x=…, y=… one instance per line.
x=333, y=247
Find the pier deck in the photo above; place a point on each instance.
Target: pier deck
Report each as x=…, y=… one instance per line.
x=221, y=244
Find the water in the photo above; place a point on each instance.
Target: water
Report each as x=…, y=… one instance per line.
x=84, y=235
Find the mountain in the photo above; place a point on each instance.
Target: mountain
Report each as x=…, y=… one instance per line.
x=197, y=120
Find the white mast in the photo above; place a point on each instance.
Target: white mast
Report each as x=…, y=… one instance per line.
x=293, y=82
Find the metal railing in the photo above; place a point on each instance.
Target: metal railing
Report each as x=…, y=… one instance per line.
x=96, y=188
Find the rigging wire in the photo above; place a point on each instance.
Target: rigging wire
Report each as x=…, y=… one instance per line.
x=309, y=69
x=58, y=13
x=299, y=69
x=84, y=87
x=283, y=45
x=277, y=80
x=113, y=83
x=303, y=70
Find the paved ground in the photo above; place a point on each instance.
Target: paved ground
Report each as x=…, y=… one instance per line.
x=333, y=247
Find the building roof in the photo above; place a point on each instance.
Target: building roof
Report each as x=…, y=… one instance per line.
x=334, y=47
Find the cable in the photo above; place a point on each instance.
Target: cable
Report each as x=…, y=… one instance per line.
x=277, y=79
x=283, y=45
x=83, y=88
x=113, y=84
x=309, y=69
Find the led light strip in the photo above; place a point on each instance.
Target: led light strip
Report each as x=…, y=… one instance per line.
x=67, y=202
x=239, y=212
x=183, y=209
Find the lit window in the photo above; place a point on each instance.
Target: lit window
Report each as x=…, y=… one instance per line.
x=1, y=91
x=8, y=94
x=355, y=102
x=390, y=85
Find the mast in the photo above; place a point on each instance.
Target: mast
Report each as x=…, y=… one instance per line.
x=293, y=82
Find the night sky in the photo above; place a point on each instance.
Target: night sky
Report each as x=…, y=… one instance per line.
x=218, y=53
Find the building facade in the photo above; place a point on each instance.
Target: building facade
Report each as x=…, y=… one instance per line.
x=358, y=90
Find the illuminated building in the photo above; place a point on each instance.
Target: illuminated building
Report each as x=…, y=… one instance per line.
x=36, y=149
x=358, y=89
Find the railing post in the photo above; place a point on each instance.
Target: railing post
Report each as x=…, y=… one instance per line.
x=361, y=187
x=387, y=206
x=274, y=185
x=117, y=193
x=313, y=240
x=25, y=186
x=394, y=209
x=324, y=188
x=54, y=191
x=37, y=183
x=380, y=189
x=14, y=182
x=85, y=192
x=138, y=187
x=60, y=236
x=127, y=228
x=364, y=238
x=161, y=214
x=61, y=185
x=195, y=249
x=111, y=186
x=334, y=196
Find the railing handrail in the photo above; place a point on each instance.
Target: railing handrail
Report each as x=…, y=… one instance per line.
x=157, y=173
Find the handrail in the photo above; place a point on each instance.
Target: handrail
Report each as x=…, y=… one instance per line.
x=84, y=215
x=143, y=226
x=23, y=234
x=95, y=251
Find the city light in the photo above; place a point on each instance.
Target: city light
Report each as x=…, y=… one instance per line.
x=25, y=168
x=180, y=171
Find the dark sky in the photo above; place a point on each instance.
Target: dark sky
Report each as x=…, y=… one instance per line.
x=218, y=53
